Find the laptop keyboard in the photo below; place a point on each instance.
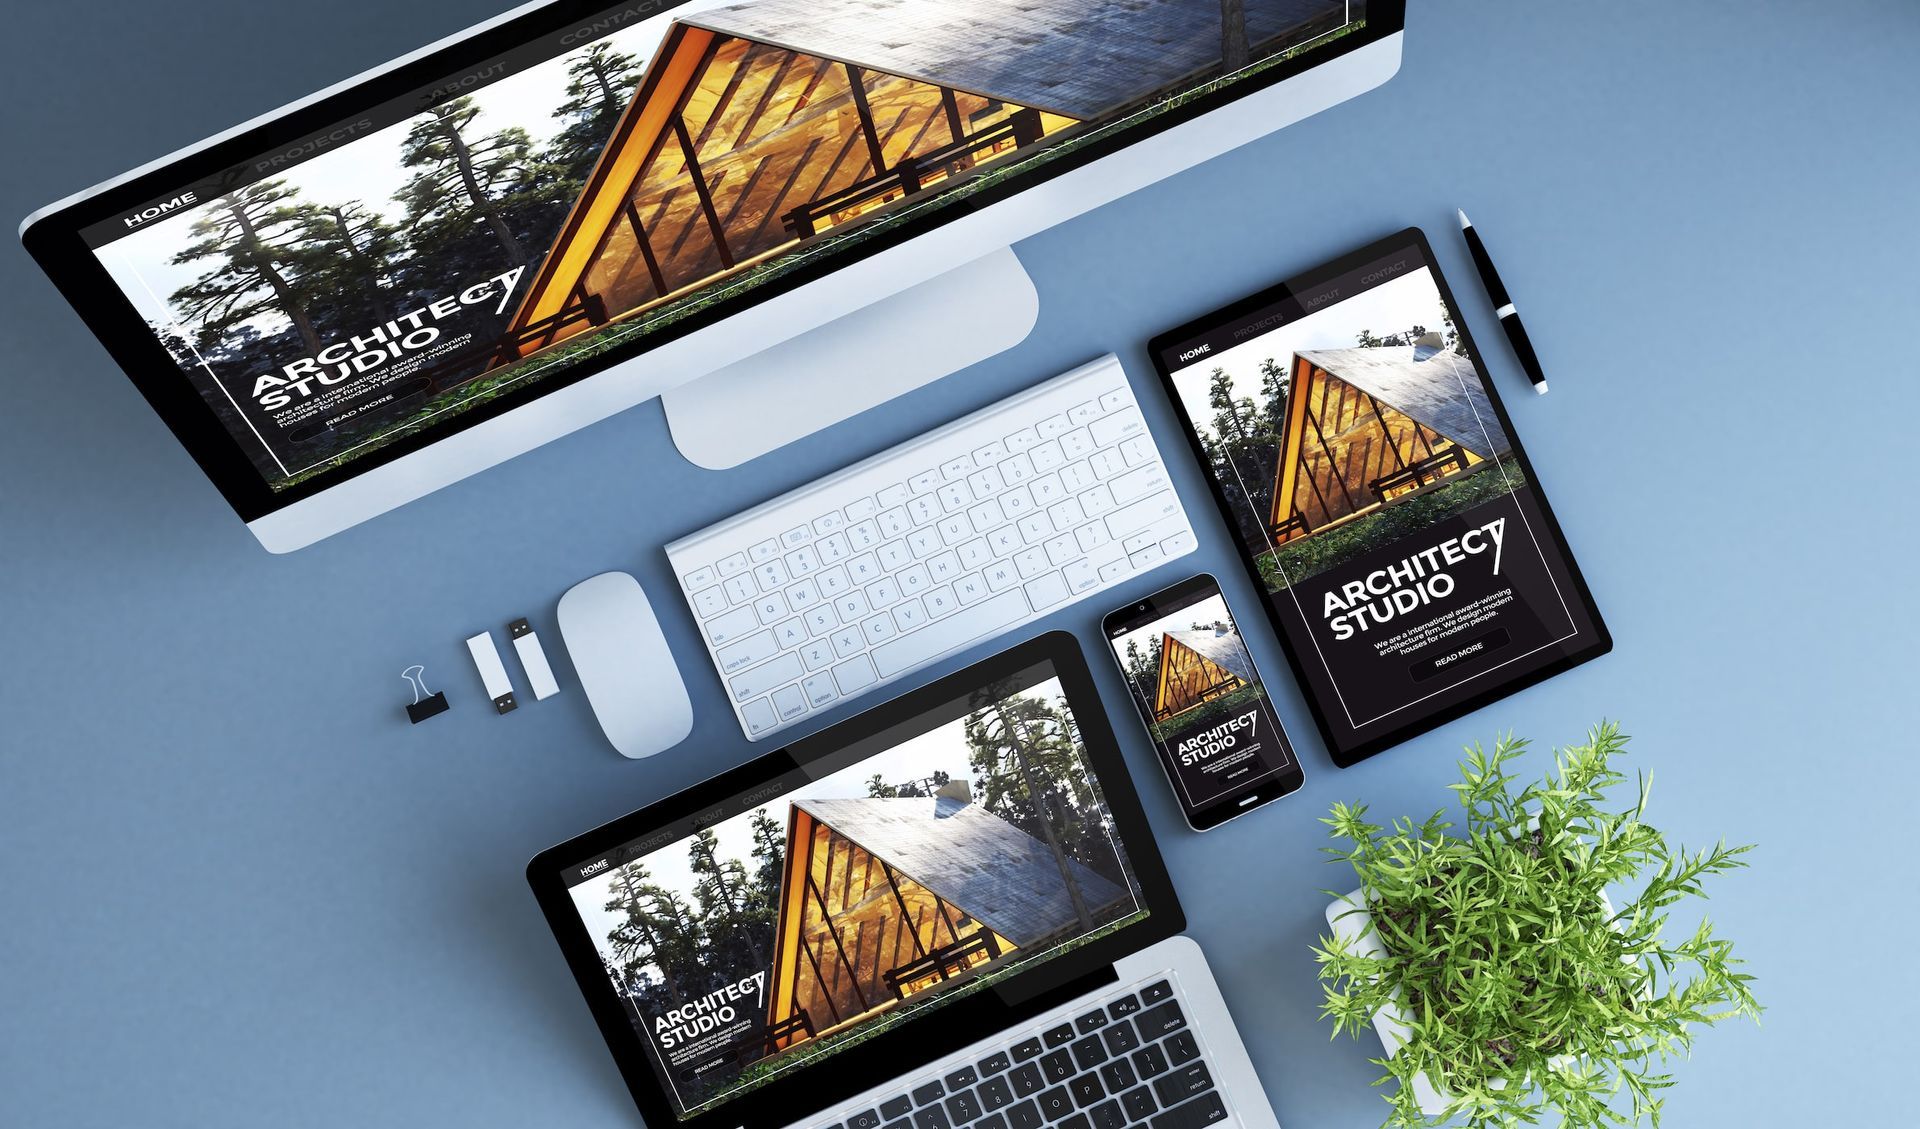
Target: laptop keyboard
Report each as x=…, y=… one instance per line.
x=1131, y=1060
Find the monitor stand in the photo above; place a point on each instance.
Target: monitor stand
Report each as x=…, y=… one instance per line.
x=840, y=369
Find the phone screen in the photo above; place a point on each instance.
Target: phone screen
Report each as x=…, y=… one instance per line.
x=1193, y=681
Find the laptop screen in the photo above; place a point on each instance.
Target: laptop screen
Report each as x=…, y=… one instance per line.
x=860, y=892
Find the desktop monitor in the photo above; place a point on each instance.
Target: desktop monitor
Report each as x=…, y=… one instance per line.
x=434, y=266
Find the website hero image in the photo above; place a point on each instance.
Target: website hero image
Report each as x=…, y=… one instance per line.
x=1194, y=683
x=580, y=192
x=854, y=903
x=1370, y=479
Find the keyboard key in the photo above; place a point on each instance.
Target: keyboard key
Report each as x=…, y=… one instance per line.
x=1161, y=1019
x=820, y=690
x=925, y=1094
x=914, y=580
x=854, y=675
x=883, y=592
x=833, y=582
x=1150, y=1062
x=852, y=606
x=1107, y=1115
x=827, y=523
x=1117, y=1076
x=1058, y=1036
x=1057, y=1067
x=739, y=589
x=1020, y=441
x=1026, y=1049
x=878, y=629
x=1152, y=554
x=991, y=453
x=1016, y=470
x=848, y=641
x=923, y=509
x=748, y=652
x=1181, y=542
x=908, y=615
x=803, y=595
x=1035, y=527
x=734, y=624
x=1024, y=1115
x=1078, y=476
x=859, y=511
x=771, y=608
x=955, y=529
x=1086, y=1090
x=1017, y=503
x=1111, y=429
x=758, y=715
x=954, y=496
x=895, y=494
x=1106, y=464
x=1113, y=399
x=943, y=635
x=1026, y=1077
x=1199, y=1112
x=1001, y=575
x=709, y=602
x=1183, y=1083
x=1096, y=501
x=991, y=1121
x=820, y=619
x=1061, y=549
x=1088, y=1052
x=771, y=575
x=986, y=483
x=994, y=1063
x=866, y=535
x=985, y=516
x=1077, y=1121
x=1137, y=450
x=803, y=561
x=963, y=1106
x=776, y=672
x=1046, y=591
x=1055, y=1103
x=1047, y=456
x=1067, y=514
x=995, y=1093
x=866, y=1119
x=931, y=1117
x=1078, y=443
x=791, y=633
x=817, y=654
x=1124, y=1006
x=941, y=567
x=1139, y=1103
x=1182, y=1048
x=737, y=562
x=896, y=1107
x=1120, y=1037
x=1030, y=563
x=893, y=522
x=1081, y=576
x=939, y=601
x=924, y=481
x=1081, y=413
x=956, y=467
x=1137, y=484
x=701, y=578
x=1051, y=426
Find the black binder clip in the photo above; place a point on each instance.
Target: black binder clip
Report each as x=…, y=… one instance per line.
x=424, y=705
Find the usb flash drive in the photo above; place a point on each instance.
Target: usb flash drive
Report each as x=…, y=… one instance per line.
x=493, y=675
x=532, y=659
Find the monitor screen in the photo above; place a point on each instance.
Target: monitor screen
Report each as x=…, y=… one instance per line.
x=860, y=892
x=485, y=236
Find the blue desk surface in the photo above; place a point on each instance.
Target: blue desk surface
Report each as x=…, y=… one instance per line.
x=240, y=890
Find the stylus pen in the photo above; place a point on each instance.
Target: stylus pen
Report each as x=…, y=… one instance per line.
x=1503, y=306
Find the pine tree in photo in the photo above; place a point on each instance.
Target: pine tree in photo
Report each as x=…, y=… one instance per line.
x=468, y=181
x=1248, y=444
x=359, y=248
x=602, y=82
x=258, y=240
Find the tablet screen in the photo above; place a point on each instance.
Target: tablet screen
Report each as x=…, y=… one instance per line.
x=860, y=892
x=1379, y=496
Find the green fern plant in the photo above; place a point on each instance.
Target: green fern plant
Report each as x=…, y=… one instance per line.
x=1522, y=989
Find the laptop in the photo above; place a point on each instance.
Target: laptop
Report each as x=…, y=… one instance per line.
x=945, y=913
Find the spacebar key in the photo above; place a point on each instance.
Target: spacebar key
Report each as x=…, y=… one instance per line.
x=943, y=635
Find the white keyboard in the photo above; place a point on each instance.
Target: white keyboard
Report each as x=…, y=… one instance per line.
x=842, y=586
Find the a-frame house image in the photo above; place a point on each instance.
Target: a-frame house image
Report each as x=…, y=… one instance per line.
x=1366, y=427
x=886, y=898
x=759, y=126
x=1197, y=666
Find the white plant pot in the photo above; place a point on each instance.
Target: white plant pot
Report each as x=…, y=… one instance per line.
x=1349, y=920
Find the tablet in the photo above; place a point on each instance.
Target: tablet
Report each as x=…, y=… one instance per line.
x=1381, y=501
x=865, y=901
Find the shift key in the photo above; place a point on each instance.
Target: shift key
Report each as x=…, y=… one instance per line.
x=1145, y=512
x=766, y=677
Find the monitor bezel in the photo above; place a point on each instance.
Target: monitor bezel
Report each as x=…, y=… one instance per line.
x=959, y=1022
x=53, y=237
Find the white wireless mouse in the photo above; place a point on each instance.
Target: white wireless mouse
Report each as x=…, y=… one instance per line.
x=623, y=665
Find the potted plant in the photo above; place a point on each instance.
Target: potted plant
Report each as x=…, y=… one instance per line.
x=1500, y=978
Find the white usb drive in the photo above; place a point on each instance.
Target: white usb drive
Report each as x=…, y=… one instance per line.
x=532, y=659
x=493, y=674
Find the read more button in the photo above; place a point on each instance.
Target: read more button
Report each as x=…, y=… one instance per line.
x=1466, y=653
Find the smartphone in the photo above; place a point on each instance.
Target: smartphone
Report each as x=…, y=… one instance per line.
x=1205, y=706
